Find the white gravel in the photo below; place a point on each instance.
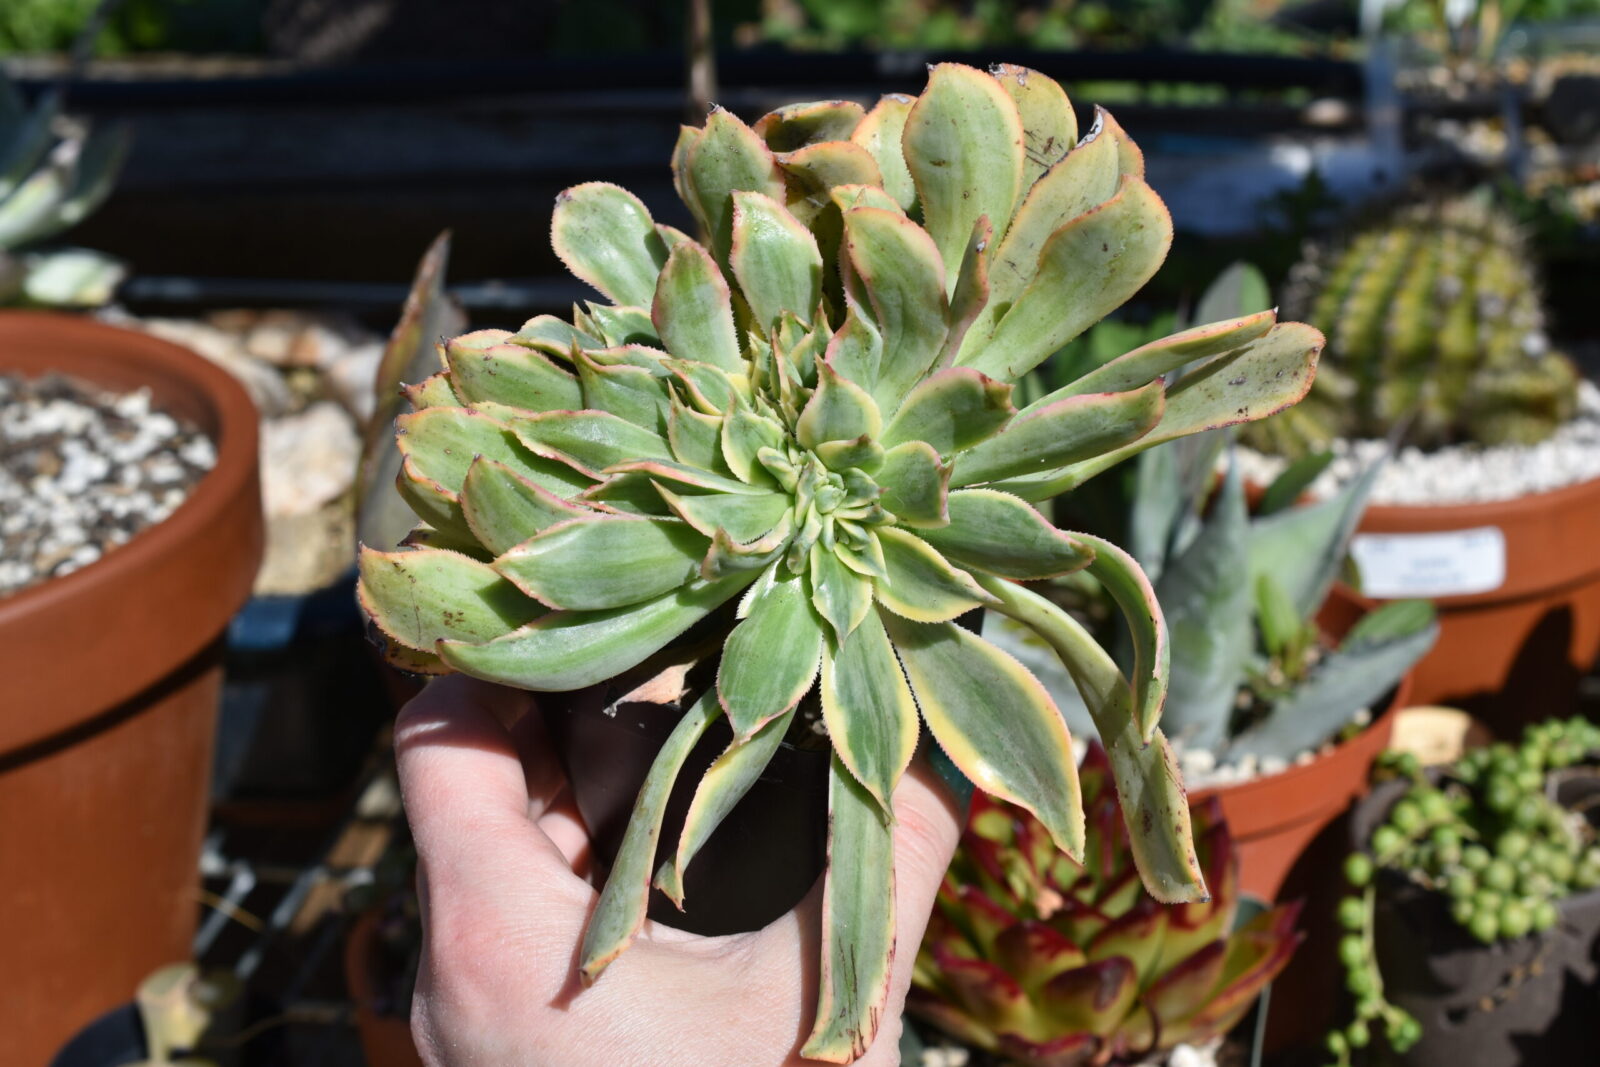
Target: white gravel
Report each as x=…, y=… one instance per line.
x=1461, y=474
x=1202, y=771
x=82, y=471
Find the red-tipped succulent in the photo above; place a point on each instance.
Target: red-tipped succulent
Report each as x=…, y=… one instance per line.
x=1052, y=964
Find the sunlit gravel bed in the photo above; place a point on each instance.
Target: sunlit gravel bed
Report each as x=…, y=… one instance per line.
x=1462, y=474
x=82, y=470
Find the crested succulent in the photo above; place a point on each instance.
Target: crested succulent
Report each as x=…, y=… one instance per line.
x=799, y=433
x=1434, y=320
x=54, y=171
x=1050, y=962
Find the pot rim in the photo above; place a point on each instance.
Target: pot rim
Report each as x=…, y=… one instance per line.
x=225, y=503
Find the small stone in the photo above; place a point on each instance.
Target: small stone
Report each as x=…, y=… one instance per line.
x=1273, y=765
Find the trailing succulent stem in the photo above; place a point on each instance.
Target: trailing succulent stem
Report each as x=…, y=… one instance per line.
x=1056, y=961
x=1484, y=833
x=1434, y=322
x=808, y=415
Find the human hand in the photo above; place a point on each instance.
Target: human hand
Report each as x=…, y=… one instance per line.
x=501, y=858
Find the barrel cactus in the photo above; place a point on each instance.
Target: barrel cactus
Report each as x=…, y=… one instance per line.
x=1050, y=962
x=798, y=434
x=1433, y=318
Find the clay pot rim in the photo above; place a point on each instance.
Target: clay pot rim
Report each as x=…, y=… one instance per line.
x=232, y=419
x=1482, y=512
x=208, y=497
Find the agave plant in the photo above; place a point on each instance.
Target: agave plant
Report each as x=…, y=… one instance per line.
x=1055, y=962
x=1241, y=588
x=800, y=429
x=54, y=171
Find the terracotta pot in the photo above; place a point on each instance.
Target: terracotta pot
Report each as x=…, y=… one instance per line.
x=385, y=1038
x=1274, y=818
x=1513, y=652
x=109, y=708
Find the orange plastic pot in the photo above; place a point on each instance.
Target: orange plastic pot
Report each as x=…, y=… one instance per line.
x=108, y=711
x=1275, y=818
x=1514, y=652
x=385, y=1039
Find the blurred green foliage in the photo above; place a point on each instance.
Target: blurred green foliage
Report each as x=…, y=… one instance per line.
x=35, y=26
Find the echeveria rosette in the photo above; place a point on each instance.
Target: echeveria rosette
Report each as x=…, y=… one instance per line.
x=1055, y=962
x=809, y=417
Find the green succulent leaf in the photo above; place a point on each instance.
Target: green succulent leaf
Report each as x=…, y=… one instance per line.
x=1060, y=433
x=434, y=391
x=439, y=444
x=1121, y=576
x=952, y=410
x=604, y=234
x=858, y=923
x=920, y=584
x=794, y=126
x=1000, y=534
x=1158, y=358
x=1086, y=178
x=880, y=133
x=725, y=158
x=724, y=784
x=995, y=722
x=746, y=517
x=503, y=508
x=1101, y=258
x=1049, y=125
x=589, y=441
x=424, y=596
x=695, y=437
x=971, y=294
x=898, y=266
x=1148, y=783
x=868, y=709
x=840, y=595
x=571, y=649
x=513, y=375
x=839, y=410
x=771, y=658
x=604, y=561
x=630, y=392
x=619, y=916
x=775, y=259
x=692, y=309
x=964, y=146
x=915, y=484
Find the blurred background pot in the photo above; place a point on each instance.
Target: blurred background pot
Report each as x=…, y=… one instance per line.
x=1517, y=585
x=112, y=680
x=385, y=1032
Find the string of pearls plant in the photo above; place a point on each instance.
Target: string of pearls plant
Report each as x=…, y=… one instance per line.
x=1485, y=833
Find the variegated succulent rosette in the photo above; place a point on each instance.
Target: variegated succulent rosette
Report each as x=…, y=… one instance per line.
x=1051, y=962
x=807, y=417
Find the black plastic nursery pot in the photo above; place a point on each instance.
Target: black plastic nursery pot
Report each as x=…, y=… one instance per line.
x=758, y=864
x=301, y=698
x=1508, y=1004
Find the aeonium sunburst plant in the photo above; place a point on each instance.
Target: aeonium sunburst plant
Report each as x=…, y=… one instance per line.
x=803, y=422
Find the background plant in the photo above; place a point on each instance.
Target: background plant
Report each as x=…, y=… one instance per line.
x=1048, y=961
x=799, y=436
x=1251, y=672
x=1435, y=323
x=1485, y=834
x=54, y=171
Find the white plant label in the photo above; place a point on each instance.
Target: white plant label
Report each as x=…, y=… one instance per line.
x=1456, y=563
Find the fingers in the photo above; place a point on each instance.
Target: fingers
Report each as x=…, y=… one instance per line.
x=467, y=787
x=927, y=827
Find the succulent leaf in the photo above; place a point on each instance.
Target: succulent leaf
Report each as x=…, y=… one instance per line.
x=692, y=309
x=999, y=534
x=620, y=914
x=425, y=596
x=995, y=722
x=503, y=508
x=605, y=235
x=772, y=657
x=880, y=132
x=868, y=709
x=858, y=923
